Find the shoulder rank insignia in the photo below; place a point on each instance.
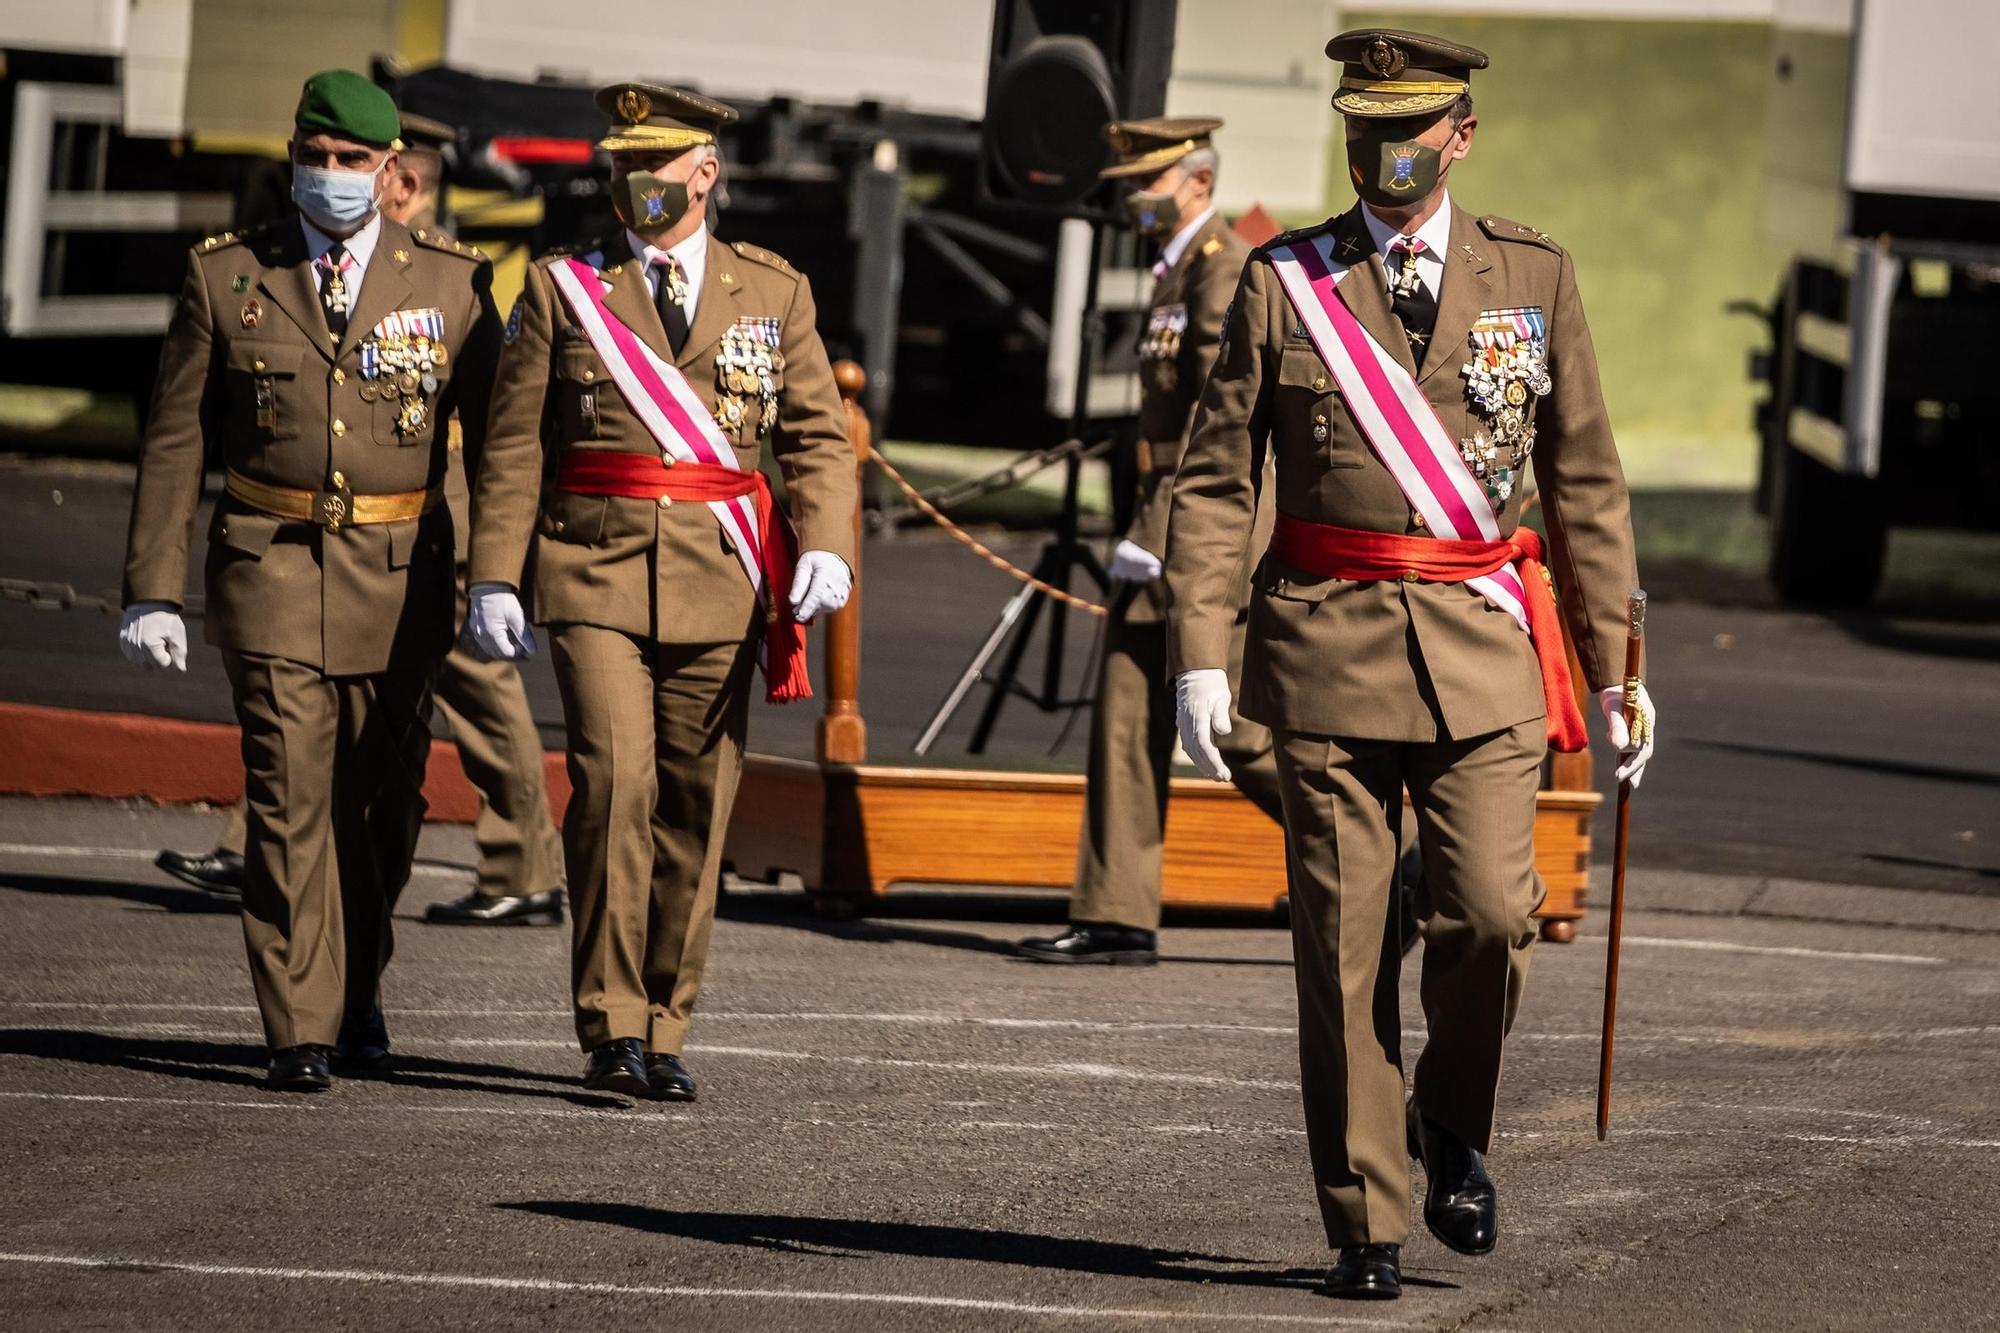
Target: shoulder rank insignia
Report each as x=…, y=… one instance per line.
x=1212, y=245
x=513, y=323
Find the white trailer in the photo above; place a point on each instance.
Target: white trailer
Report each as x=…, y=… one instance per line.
x=1884, y=408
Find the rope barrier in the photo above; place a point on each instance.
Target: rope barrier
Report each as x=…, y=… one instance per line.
x=979, y=548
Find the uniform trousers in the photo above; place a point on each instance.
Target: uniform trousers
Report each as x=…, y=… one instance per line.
x=333, y=771
x=655, y=751
x=1132, y=733
x=1474, y=802
x=486, y=705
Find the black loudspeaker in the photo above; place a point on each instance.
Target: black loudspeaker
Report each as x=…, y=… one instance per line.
x=1058, y=71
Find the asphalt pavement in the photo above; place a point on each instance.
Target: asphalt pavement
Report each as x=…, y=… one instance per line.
x=901, y=1127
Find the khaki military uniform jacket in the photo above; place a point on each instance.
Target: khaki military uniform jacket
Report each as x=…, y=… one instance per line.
x=249, y=371
x=667, y=573
x=1183, y=327
x=1396, y=660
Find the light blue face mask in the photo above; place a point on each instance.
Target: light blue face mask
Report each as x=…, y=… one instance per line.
x=334, y=201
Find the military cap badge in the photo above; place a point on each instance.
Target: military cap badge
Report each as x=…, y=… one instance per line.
x=634, y=106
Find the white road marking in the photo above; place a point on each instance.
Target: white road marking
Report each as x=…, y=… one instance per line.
x=60, y=850
x=556, y=1286
x=1773, y=951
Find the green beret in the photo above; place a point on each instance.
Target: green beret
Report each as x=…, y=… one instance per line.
x=339, y=101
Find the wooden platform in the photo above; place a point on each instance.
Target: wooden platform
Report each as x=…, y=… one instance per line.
x=850, y=832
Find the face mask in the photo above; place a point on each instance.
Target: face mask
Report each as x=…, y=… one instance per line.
x=334, y=201
x=1154, y=215
x=646, y=202
x=1391, y=174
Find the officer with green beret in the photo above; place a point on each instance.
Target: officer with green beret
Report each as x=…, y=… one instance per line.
x=321, y=358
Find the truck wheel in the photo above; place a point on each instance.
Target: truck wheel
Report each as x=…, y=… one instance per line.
x=1829, y=534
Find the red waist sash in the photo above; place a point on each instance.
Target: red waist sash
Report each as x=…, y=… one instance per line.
x=647, y=477
x=1347, y=553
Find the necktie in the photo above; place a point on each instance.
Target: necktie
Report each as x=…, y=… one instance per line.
x=1414, y=304
x=334, y=295
x=669, y=290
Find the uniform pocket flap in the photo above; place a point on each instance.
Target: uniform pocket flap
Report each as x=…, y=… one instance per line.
x=264, y=358
x=1291, y=584
x=245, y=530
x=1301, y=367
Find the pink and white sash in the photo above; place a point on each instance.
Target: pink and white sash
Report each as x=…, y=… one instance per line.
x=665, y=403
x=1399, y=422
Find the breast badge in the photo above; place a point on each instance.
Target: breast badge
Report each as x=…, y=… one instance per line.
x=1508, y=371
x=1160, y=347
x=400, y=361
x=747, y=366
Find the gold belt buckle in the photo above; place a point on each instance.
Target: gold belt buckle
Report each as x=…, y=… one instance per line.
x=332, y=508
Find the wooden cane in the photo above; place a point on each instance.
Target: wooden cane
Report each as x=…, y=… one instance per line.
x=1635, y=722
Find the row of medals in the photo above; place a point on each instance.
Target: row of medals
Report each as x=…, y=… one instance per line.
x=748, y=366
x=406, y=370
x=1159, y=352
x=1502, y=381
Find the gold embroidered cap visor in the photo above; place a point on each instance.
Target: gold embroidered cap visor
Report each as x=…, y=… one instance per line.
x=1148, y=147
x=1385, y=72
x=650, y=118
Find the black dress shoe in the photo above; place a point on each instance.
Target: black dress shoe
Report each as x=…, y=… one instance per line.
x=669, y=1078
x=619, y=1065
x=300, y=1069
x=1366, y=1273
x=217, y=872
x=478, y=909
x=364, y=1041
x=1461, y=1207
x=1088, y=942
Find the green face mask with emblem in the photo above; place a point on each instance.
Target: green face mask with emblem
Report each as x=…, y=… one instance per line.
x=644, y=201
x=1392, y=173
x=1154, y=215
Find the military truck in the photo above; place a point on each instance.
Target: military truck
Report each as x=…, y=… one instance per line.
x=1883, y=183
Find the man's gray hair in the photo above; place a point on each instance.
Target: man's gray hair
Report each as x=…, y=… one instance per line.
x=1198, y=158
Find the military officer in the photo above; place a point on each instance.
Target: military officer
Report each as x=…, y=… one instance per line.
x=1171, y=165
x=320, y=357
x=642, y=384
x=520, y=853
x=1401, y=364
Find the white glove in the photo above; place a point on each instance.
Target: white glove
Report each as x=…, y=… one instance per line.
x=1201, y=705
x=153, y=634
x=1634, y=750
x=495, y=624
x=820, y=584
x=1133, y=563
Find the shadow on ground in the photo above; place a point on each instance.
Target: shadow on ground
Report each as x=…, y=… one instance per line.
x=241, y=1064
x=855, y=1238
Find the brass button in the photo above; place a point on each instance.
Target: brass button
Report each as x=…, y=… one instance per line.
x=1417, y=522
x=339, y=376
x=340, y=479
x=1411, y=576
x=257, y=365
x=1319, y=383
x=668, y=459
x=666, y=502
x=339, y=426
x=557, y=525
x=590, y=374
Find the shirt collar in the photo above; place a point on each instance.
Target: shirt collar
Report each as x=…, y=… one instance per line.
x=1171, y=252
x=1435, y=233
x=692, y=252
x=361, y=245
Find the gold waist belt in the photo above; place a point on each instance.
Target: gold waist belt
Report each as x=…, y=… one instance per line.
x=334, y=507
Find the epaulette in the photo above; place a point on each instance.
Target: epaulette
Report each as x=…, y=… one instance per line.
x=1500, y=229
x=1284, y=238
x=760, y=256
x=434, y=238
x=243, y=237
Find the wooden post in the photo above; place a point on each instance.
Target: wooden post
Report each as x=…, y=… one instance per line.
x=843, y=736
